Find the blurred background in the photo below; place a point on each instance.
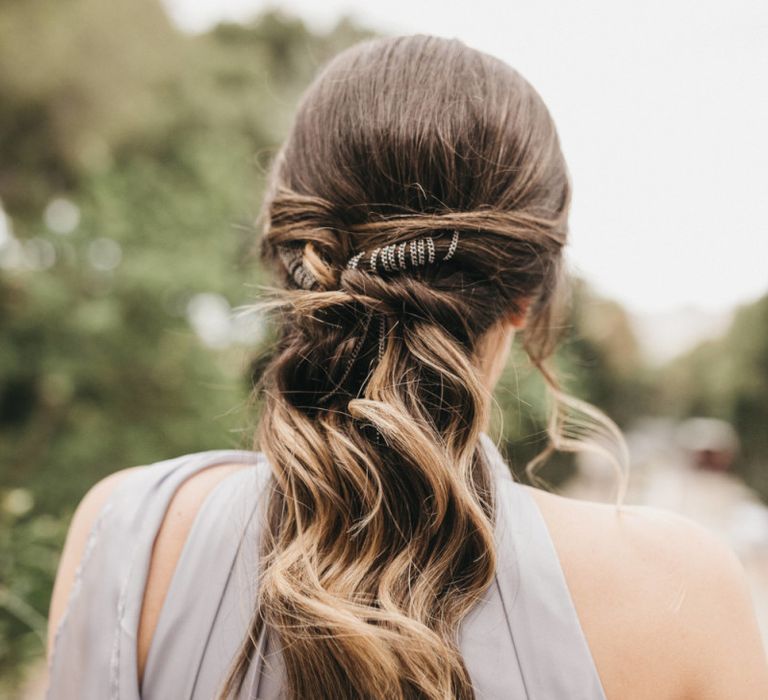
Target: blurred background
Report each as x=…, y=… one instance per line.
x=134, y=137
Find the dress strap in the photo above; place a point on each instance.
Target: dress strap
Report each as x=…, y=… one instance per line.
x=522, y=640
x=551, y=650
x=209, y=603
x=97, y=635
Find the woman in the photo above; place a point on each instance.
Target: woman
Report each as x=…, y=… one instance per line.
x=376, y=545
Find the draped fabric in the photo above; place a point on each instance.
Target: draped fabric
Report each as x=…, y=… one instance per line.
x=522, y=640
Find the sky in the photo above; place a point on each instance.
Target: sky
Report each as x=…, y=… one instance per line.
x=662, y=111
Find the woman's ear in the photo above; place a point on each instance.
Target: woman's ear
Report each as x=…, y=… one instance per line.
x=519, y=318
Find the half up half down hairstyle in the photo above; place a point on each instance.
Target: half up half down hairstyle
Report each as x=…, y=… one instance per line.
x=380, y=515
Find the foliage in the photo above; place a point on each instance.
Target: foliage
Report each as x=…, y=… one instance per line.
x=29, y=553
x=131, y=165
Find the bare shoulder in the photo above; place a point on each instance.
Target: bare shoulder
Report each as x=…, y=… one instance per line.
x=656, y=590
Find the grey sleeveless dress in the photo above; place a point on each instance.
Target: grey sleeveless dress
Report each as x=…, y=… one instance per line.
x=521, y=640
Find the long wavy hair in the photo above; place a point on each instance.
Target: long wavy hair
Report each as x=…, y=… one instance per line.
x=380, y=534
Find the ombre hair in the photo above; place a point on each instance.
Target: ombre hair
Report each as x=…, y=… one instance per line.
x=381, y=508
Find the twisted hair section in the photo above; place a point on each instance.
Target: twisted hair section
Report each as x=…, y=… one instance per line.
x=374, y=549
x=433, y=218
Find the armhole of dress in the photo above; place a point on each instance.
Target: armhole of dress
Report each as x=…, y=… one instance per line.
x=554, y=655
x=225, y=538
x=201, y=462
x=128, y=522
x=77, y=581
x=555, y=603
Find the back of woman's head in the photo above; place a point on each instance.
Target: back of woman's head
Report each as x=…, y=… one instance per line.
x=419, y=201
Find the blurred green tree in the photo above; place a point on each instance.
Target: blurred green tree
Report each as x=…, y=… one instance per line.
x=727, y=378
x=131, y=167
x=598, y=360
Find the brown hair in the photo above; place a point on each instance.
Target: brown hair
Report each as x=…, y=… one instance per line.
x=380, y=516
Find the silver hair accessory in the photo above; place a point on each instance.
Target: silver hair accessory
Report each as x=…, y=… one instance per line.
x=452, y=247
x=293, y=259
x=393, y=257
x=352, y=357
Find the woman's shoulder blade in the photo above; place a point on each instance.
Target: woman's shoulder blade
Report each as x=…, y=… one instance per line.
x=660, y=576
